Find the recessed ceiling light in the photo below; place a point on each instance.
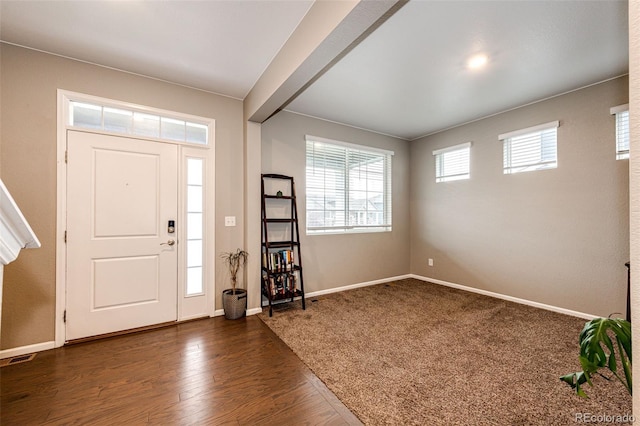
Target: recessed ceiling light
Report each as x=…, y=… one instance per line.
x=477, y=61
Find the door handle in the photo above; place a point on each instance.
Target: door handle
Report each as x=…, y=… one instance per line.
x=168, y=243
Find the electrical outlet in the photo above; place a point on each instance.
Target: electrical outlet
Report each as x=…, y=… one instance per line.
x=430, y=262
x=229, y=221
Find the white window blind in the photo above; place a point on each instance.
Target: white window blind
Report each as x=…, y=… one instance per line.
x=622, y=131
x=452, y=163
x=533, y=148
x=348, y=187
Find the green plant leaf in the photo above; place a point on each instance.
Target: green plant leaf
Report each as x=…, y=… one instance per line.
x=575, y=380
x=597, y=350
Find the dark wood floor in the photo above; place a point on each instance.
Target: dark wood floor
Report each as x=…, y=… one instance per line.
x=212, y=371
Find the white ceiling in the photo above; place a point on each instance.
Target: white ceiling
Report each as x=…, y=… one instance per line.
x=407, y=79
x=218, y=46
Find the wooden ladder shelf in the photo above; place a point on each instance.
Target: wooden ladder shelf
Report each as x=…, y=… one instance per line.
x=282, y=279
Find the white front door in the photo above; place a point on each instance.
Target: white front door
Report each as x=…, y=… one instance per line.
x=122, y=263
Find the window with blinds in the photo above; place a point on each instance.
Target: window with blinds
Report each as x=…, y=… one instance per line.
x=348, y=187
x=533, y=148
x=452, y=163
x=622, y=131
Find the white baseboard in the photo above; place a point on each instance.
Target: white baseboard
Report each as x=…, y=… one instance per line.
x=39, y=347
x=505, y=297
x=29, y=349
x=252, y=311
x=352, y=286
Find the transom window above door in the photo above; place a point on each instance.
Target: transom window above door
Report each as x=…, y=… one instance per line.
x=133, y=122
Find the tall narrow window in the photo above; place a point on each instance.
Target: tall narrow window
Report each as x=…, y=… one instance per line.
x=452, y=163
x=348, y=187
x=533, y=148
x=622, y=131
x=195, y=198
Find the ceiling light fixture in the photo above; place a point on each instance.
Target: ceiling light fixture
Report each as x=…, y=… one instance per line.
x=477, y=61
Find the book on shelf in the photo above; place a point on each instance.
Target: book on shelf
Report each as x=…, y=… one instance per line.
x=283, y=284
x=278, y=261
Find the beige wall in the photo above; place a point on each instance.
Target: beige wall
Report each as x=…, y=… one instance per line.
x=332, y=261
x=559, y=237
x=29, y=80
x=553, y=236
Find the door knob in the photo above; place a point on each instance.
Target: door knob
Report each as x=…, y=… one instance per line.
x=168, y=243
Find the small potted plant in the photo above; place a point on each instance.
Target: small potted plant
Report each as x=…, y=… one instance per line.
x=234, y=300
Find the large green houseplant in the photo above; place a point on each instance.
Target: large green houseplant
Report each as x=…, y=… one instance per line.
x=604, y=343
x=234, y=300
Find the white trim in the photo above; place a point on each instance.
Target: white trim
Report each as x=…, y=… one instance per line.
x=620, y=108
x=539, y=127
x=29, y=349
x=252, y=311
x=358, y=285
x=15, y=232
x=505, y=297
x=452, y=148
x=61, y=219
x=459, y=287
x=310, y=138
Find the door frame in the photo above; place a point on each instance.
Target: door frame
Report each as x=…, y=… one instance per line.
x=185, y=150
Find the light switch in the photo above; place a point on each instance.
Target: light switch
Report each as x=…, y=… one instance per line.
x=229, y=221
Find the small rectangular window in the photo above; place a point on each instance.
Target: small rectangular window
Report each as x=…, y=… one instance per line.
x=533, y=148
x=622, y=131
x=348, y=187
x=86, y=115
x=117, y=120
x=132, y=122
x=452, y=163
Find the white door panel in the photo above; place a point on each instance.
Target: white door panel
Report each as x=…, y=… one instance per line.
x=127, y=201
x=125, y=281
x=121, y=274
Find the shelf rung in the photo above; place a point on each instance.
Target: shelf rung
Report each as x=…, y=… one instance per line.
x=280, y=244
x=276, y=176
x=286, y=296
x=280, y=197
x=279, y=220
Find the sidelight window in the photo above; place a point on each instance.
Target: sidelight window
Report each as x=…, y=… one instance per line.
x=195, y=235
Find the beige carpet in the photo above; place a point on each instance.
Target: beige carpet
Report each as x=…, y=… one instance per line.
x=410, y=352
